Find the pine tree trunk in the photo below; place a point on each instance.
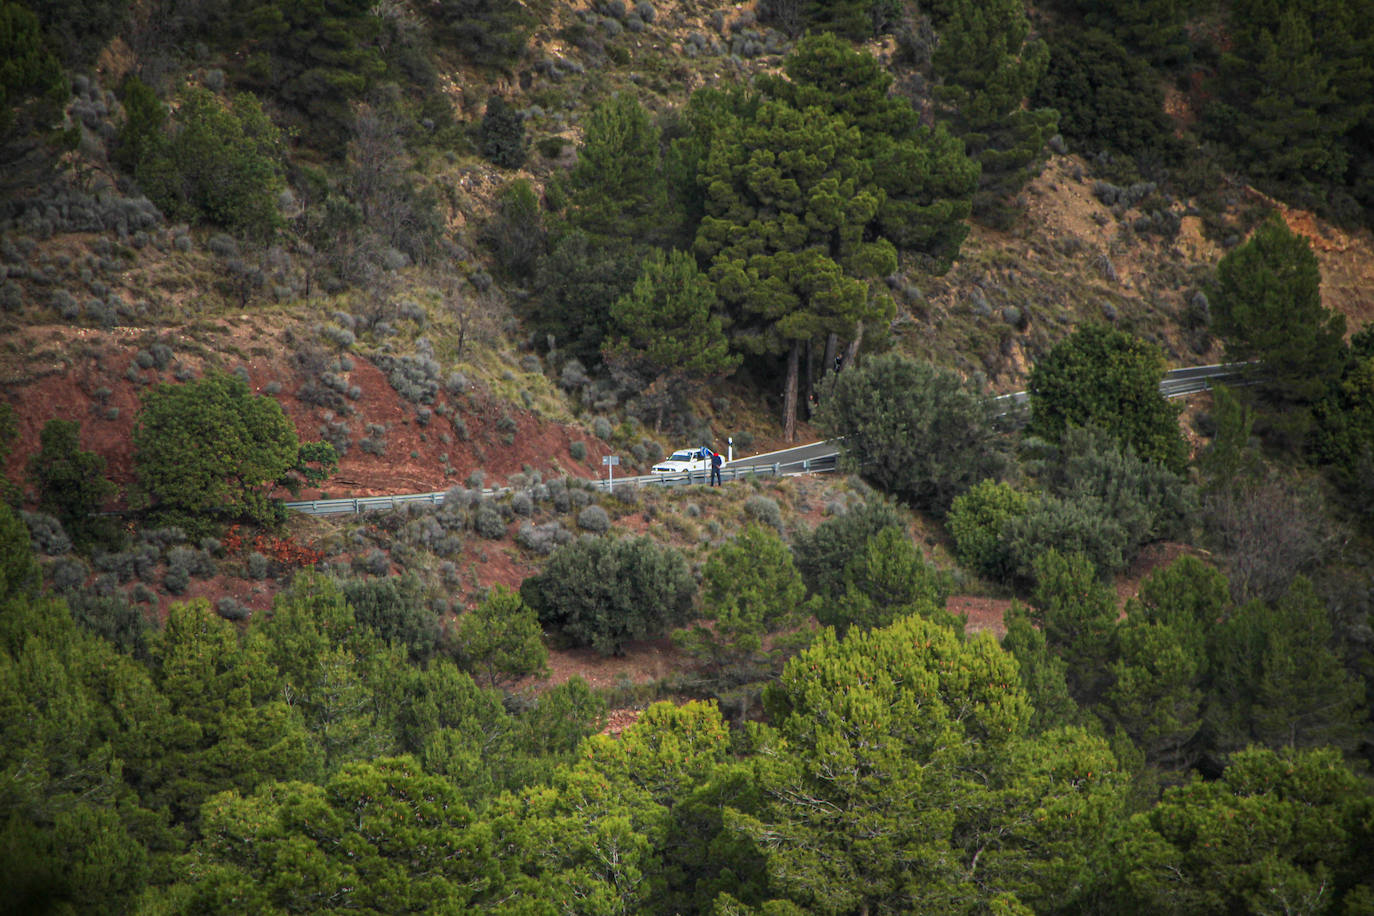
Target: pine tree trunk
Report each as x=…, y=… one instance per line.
x=810, y=381
x=832, y=343
x=789, y=395
x=853, y=352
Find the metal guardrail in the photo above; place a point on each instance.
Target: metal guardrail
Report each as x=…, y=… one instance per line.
x=360, y=504
x=1177, y=383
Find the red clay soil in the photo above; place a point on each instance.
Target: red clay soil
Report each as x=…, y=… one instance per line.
x=85, y=362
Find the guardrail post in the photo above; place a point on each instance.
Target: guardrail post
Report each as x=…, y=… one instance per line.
x=777, y=469
x=356, y=510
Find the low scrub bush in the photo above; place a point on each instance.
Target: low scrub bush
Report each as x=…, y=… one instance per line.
x=112, y=617
x=764, y=510
x=488, y=522
x=258, y=566
x=47, y=534
x=69, y=574
x=542, y=539
x=176, y=579
x=594, y=519
x=231, y=609
x=601, y=592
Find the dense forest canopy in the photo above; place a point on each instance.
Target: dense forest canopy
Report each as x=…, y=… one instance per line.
x=665, y=220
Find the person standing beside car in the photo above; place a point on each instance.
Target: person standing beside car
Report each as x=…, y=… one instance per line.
x=716, y=462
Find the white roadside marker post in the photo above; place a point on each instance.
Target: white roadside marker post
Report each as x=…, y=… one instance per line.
x=610, y=461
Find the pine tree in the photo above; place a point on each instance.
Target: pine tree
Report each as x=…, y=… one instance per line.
x=1077, y=614
x=502, y=640
x=926, y=179
x=867, y=795
x=1292, y=92
x=976, y=520
x=822, y=553
x=785, y=234
x=1155, y=27
x=616, y=190
x=885, y=581
x=84, y=729
x=987, y=67
x=1107, y=97
x=1042, y=673
x=1276, y=681
x=71, y=484
x=1156, y=693
x=666, y=334
x=230, y=726
x=1267, y=305
x=503, y=134
x=381, y=836
x=1279, y=832
x=31, y=81
x=314, y=58
x=750, y=590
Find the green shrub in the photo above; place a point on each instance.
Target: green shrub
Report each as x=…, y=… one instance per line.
x=111, y=617
x=1146, y=499
x=219, y=163
x=578, y=451
x=394, y=608
x=255, y=448
x=503, y=134
x=916, y=430
x=72, y=486
x=1079, y=526
x=821, y=554
x=976, y=520
x=764, y=510
x=515, y=233
x=1106, y=377
x=602, y=593
x=594, y=518
x=489, y=523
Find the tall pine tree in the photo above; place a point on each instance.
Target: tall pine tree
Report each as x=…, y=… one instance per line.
x=926, y=178
x=788, y=204
x=988, y=66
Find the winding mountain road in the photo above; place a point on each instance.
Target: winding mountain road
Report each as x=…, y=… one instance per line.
x=811, y=458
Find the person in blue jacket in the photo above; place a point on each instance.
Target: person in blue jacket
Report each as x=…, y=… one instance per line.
x=716, y=462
